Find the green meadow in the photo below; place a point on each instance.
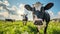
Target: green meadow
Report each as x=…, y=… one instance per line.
x=17, y=27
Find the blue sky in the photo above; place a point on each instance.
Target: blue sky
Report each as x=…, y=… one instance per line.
x=55, y=9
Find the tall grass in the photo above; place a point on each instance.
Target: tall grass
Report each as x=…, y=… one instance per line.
x=18, y=28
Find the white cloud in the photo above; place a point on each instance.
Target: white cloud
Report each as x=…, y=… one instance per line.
x=14, y=7
x=2, y=17
x=51, y=13
x=21, y=9
x=5, y=14
x=59, y=13
x=1, y=8
x=13, y=16
x=11, y=10
x=6, y=2
x=21, y=5
x=1, y=2
x=56, y=16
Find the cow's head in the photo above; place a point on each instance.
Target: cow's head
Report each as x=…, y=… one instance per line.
x=39, y=5
x=38, y=9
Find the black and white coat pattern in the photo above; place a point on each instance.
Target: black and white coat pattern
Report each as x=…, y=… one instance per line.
x=40, y=15
x=25, y=19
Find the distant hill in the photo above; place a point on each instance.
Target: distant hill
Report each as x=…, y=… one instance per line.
x=56, y=19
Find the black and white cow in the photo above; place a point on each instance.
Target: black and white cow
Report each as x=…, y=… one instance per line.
x=10, y=20
x=25, y=19
x=39, y=14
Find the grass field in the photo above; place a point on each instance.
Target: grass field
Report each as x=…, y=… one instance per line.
x=18, y=28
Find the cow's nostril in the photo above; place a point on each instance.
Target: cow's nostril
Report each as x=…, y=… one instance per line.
x=41, y=23
x=38, y=22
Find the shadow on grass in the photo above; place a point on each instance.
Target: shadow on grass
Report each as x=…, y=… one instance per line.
x=56, y=32
x=33, y=29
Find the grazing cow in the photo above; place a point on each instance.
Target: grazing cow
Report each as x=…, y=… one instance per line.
x=25, y=19
x=10, y=20
x=39, y=14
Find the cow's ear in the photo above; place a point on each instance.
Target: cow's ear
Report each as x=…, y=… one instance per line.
x=28, y=7
x=48, y=6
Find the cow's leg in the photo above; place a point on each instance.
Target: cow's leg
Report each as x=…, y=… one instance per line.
x=47, y=22
x=45, y=29
x=38, y=28
x=47, y=19
x=25, y=22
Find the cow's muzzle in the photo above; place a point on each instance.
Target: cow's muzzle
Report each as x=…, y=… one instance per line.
x=38, y=22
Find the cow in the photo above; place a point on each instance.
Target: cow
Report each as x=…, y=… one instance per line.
x=39, y=14
x=10, y=20
x=25, y=19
